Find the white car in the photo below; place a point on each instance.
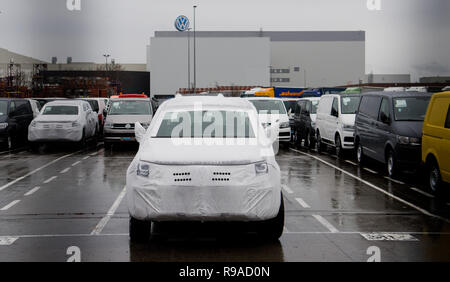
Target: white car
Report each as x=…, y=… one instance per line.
x=335, y=121
x=273, y=110
x=64, y=120
x=204, y=159
x=35, y=106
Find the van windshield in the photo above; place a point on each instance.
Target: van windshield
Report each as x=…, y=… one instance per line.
x=410, y=108
x=271, y=107
x=349, y=104
x=3, y=108
x=133, y=107
x=60, y=110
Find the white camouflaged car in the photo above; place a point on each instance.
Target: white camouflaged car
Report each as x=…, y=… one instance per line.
x=205, y=159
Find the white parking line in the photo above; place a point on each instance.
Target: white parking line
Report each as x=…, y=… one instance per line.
x=287, y=189
x=302, y=203
x=374, y=187
x=369, y=170
x=50, y=179
x=87, y=157
x=422, y=192
x=396, y=181
x=76, y=163
x=7, y=240
x=350, y=162
x=285, y=230
x=9, y=205
x=102, y=223
x=32, y=191
x=325, y=223
x=65, y=170
x=36, y=170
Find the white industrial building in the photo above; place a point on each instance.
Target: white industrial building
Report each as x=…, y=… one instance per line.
x=387, y=78
x=241, y=58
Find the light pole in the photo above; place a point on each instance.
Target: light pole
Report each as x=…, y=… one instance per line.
x=189, y=58
x=195, y=63
x=106, y=62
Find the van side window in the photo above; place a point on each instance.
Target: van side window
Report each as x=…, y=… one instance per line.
x=385, y=109
x=369, y=106
x=447, y=120
x=334, y=107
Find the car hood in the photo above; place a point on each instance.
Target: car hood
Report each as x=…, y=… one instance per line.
x=128, y=118
x=348, y=119
x=164, y=151
x=57, y=118
x=408, y=128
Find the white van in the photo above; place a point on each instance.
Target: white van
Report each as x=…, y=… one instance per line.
x=335, y=121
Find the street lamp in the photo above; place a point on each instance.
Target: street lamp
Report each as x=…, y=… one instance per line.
x=195, y=63
x=189, y=58
x=106, y=63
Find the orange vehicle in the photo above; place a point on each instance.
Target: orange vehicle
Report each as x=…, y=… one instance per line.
x=133, y=95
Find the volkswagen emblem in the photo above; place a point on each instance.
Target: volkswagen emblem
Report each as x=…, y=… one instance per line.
x=182, y=23
x=128, y=126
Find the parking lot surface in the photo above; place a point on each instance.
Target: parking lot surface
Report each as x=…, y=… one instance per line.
x=335, y=211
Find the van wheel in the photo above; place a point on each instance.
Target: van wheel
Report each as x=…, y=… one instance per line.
x=319, y=145
x=391, y=163
x=337, y=142
x=307, y=140
x=272, y=229
x=82, y=142
x=359, y=154
x=435, y=179
x=9, y=143
x=140, y=230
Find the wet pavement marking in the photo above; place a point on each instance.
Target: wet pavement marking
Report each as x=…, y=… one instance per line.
x=102, y=223
x=36, y=170
x=65, y=170
x=369, y=170
x=422, y=192
x=388, y=237
x=374, y=186
x=87, y=157
x=32, y=191
x=50, y=179
x=76, y=163
x=350, y=162
x=395, y=181
x=302, y=203
x=13, y=203
x=287, y=189
x=6, y=241
x=325, y=223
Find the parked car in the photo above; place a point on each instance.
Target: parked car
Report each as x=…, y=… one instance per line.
x=389, y=128
x=304, y=127
x=174, y=178
x=436, y=141
x=272, y=110
x=64, y=121
x=335, y=121
x=15, y=116
x=43, y=101
x=98, y=105
x=121, y=116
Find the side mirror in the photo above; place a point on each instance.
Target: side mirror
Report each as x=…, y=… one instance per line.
x=334, y=113
x=384, y=118
x=139, y=131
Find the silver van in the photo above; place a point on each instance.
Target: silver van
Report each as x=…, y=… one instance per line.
x=120, y=117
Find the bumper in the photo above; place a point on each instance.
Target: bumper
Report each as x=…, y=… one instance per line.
x=284, y=135
x=237, y=201
x=64, y=135
x=348, y=139
x=119, y=135
x=408, y=156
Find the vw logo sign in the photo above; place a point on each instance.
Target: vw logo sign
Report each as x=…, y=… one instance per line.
x=128, y=126
x=182, y=23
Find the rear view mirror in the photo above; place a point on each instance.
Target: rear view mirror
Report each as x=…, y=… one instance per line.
x=139, y=131
x=334, y=112
x=384, y=118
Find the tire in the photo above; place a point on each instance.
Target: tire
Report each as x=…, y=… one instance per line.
x=297, y=140
x=140, y=230
x=272, y=229
x=434, y=177
x=319, y=145
x=360, y=158
x=391, y=163
x=337, y=142
x=82, y=142
x=307, y=140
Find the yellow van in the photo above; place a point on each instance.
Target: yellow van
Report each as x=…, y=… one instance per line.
x=436, y=140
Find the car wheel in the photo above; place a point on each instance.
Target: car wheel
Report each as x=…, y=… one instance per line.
x=307, y=144
x=359, y=154
x=435, y=179
x=140, y=230
x=337, y=142
x=83, y=140
x=391, y=164
x=9, y=143
x=272, y=229
x=319, y=144
x=298, y=141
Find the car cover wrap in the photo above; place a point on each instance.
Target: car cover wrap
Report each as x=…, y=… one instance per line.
x=204, y=192
x=54, y=131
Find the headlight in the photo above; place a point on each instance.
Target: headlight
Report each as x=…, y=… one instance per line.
x=348, y=127
x=75, y=124
x=3, y=125
x=408, y=140
x=108, y=125
x=143, y=169
x=261, y=168
x=284, y=124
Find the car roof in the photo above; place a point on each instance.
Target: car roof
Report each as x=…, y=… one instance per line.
x=66, y=103
x=263, y=98
x=398, y=94
x=208, y=101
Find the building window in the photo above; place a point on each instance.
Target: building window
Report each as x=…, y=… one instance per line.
x=296, y=69
x=282, y=79
x=280, y=70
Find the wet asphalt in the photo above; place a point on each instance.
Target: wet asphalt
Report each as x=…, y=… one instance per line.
x=64, y=197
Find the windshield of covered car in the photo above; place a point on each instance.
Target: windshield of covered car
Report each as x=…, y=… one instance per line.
x=349, y=104
x=314, y=105
x=205, y=124
x=3, y=108
x=130, y=108
x=60, y=110
x=271, y=107
x=410, y=108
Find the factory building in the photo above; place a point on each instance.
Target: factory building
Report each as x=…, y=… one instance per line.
x=236, y=58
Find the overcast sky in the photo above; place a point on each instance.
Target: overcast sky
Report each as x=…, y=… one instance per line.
x=405, y=36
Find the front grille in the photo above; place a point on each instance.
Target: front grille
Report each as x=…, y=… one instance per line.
x=123, y=125
x=349, y=139
x=284, y=134
x=130, y=134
